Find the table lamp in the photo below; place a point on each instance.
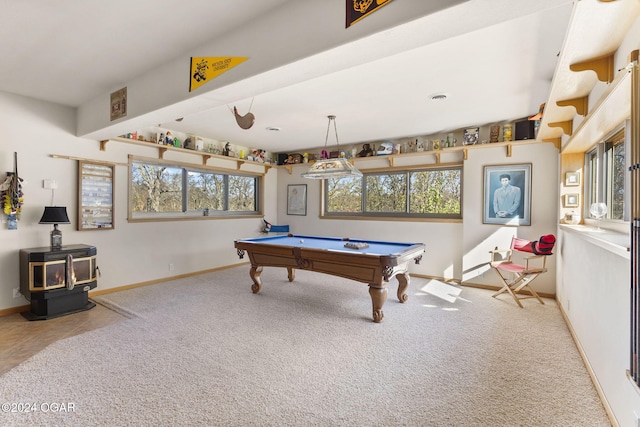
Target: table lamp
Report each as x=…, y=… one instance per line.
x=55, y=215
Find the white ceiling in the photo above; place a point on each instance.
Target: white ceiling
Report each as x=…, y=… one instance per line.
x=494, y=59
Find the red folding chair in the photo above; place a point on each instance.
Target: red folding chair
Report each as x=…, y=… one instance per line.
x=518, y=277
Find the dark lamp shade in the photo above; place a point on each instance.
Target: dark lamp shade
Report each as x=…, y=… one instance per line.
x=55, y=215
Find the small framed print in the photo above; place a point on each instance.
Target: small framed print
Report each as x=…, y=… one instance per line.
x=297, y=199
x=572, y=179
x=118, y=104
x=571, y=200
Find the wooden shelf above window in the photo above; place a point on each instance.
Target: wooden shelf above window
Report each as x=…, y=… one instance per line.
x=162, y=149
x=437, y=154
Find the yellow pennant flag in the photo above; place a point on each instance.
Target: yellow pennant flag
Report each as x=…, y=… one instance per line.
x=208, y=68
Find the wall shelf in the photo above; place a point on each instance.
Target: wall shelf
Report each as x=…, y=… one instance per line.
x=162, y=149
x=437, y=154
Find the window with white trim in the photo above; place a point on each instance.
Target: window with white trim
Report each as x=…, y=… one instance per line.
x=165, y=190
x=420, y=193
x=607, y=177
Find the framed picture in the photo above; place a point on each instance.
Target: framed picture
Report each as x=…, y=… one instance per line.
x=95, y=195
x=297, y=199
x=572, y=179
x=507, y=195
x=571, y=200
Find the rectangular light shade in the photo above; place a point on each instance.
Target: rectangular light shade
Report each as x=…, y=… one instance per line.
x=331, y=168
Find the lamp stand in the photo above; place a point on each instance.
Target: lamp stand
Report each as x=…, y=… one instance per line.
x=56, y=237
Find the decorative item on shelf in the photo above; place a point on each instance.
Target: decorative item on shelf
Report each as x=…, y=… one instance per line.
x=55, y=215
x=366, y=151
x=494, y=134
x=385, y=148
x=538, y=116
x=471, y=136
x=571, y=218
x=507, y=132
x=294, y=159
x=453, y=141
x=331, y=168
x=168, y=138
x=598, y=211
x=435, y=144
x=12, y=196
x=525, y=129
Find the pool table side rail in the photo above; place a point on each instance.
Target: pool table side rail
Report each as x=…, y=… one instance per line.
x=296, y=240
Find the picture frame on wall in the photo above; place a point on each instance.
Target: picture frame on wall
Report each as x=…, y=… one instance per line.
x=572, y=179
x=95, y=195
x=571, y=200
x=297, y=199
x=507, y=194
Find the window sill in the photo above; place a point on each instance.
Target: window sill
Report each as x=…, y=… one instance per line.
x=191, y=217
x=612, y=241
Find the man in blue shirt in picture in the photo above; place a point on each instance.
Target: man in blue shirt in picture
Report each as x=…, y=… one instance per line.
x=506, y=199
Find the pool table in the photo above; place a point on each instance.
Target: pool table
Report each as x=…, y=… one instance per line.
x=368, y=261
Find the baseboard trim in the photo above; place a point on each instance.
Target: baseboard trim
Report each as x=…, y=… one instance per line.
x=14, y=310
x=99, y=292
x=478, y=285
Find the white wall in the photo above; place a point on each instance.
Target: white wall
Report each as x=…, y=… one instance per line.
x=480, y=238
x=593, y=290
x=457, y=250
x=131, y=252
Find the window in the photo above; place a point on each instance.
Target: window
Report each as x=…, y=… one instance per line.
x=607, y=177
x=164, y=190
x=424, y=193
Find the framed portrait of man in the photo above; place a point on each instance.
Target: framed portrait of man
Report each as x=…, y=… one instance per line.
x=507, y=194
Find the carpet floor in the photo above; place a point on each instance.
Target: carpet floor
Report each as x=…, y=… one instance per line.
x=205, y=350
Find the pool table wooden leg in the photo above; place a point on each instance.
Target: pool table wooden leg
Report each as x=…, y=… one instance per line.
x=255, y=272
x=291, y=274
x=403, y=284
x=378, y=297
